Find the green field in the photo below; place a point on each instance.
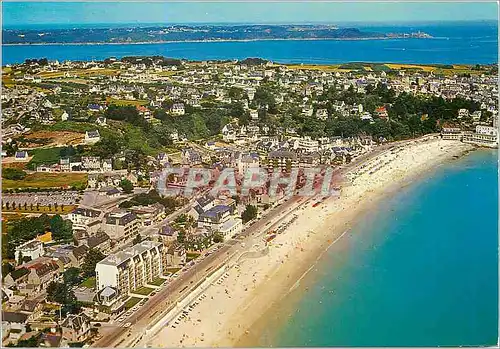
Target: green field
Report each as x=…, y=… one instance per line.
x=191, y=255
x=157, y=282
x=131, y=302
x=48, y=180
x=144, y=291
x=89, y=282
x=125, y=102
x=47, y=156
x=173, y=270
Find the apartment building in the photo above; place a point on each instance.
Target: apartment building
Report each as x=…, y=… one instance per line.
x=283, y=160
x=121, y=225
x=452, y=133
x=485, y=136
x=131, y=268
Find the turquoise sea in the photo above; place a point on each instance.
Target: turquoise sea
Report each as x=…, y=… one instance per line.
x=420, y=270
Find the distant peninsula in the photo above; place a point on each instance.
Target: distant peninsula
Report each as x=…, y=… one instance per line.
x=191, y=33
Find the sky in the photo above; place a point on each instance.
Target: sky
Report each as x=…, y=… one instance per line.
x=29, y=14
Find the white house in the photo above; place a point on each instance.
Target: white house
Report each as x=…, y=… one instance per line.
x=92, y=137
x=254, y=114
x=32, y=249
x=178, y=109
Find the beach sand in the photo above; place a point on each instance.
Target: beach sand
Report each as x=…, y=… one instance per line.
x=224, y=317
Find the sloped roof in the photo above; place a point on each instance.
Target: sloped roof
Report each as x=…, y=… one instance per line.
x=10, y=316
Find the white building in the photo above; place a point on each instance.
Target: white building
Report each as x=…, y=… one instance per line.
x=307, y=110
x=83, y=215
x=220, y=218
x=308, y=145
x=131, y=268
x=254, y=114
x=451, y=133
x=92, y=137
x=462, y=113
x=32, y=249
x=247, y=161
x=178, y=109
x=485, y=136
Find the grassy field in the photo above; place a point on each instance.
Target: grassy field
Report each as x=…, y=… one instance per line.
x=192, y=255
x=158, y=282
x=131, y=302
x=46, y=156
x=368, y=67
x=166, y=73
x=173, y=270
x=411, y=66
x=144, y=291
x=48, y=180
x=125, y=102
x=79, y=73
x=89, y=282
x=326, y=68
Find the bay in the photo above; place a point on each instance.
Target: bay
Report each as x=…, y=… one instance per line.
x=453, y=43
x=421, y=269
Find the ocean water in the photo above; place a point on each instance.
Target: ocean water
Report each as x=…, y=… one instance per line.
x=454, y=43
x=420, y=270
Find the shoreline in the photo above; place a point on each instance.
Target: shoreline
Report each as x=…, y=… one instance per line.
x=275, y=315
x=246, y=296
x=211, y=40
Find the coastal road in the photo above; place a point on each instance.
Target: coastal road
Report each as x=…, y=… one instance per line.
x=177, y=288
x=174, y=291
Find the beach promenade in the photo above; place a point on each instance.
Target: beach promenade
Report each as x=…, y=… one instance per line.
x=224, y=316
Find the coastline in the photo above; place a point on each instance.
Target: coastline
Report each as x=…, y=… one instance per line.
x=208, y=41
x=245, y=297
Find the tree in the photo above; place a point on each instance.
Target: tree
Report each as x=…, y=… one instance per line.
x=6, y=269
x=13, y=174
x=137, y=239
x=91, y=259
x=218, y=237
x=20, y=258
x=61, y=229
x=126, y=186
x=249, y=213
x=181, y=236
x=72, y=276
x=63, y=294
x=31, y=342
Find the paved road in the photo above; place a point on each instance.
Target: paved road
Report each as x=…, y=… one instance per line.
x=172, y=293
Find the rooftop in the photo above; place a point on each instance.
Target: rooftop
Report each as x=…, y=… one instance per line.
x=127, y=254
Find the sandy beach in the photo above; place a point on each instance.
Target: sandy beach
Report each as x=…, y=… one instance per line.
x=223, y=316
